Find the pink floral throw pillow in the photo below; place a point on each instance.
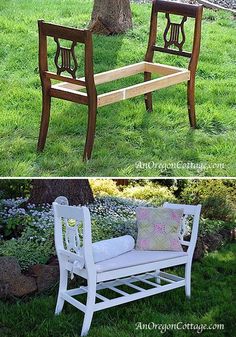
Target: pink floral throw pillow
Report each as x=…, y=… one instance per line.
x=158, y=228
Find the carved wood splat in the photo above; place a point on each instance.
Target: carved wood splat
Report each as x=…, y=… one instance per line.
x=174, y=35
x=67, y=56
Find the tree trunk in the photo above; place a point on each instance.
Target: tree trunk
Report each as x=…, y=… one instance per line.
x=77, y=191
x=111, y=17
x=122, y=182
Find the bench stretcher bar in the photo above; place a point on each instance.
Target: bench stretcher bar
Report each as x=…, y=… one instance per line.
x=174, y=281
x=172, y=75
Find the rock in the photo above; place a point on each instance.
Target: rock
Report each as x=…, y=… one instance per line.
x=12, y=281
x=228, y=234
x=53, y=261
x=199, y=250
x=212, y=242
x=46, y=275
x=4, y=289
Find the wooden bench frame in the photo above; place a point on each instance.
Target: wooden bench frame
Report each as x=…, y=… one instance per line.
x=69, y=87
x=150, y=273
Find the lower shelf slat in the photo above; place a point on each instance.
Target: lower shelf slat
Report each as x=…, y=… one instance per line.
x=174, y=282
x=138, y=295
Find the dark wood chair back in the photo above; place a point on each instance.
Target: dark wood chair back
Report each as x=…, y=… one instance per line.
x=174, y=33
x=65, y=59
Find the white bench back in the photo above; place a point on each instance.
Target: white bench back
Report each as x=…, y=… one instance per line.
x=73, y=218
x=191, y=215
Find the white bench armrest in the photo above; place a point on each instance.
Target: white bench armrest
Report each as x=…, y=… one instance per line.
x=73, y=257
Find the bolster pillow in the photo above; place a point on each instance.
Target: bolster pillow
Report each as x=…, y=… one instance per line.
x=107, y=249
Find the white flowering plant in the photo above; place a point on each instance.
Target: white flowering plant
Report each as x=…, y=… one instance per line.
x=110, y=216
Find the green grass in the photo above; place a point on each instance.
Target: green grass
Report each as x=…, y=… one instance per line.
x=126, y=134
x=212, y=302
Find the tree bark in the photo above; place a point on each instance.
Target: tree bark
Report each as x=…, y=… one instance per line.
x=77, y=191
x=111, y=17
x=122, y=182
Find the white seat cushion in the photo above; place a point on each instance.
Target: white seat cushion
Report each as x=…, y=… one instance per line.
x=135, y=258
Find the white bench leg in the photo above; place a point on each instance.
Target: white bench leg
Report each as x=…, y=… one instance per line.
x=157, y=280
x=188, y=279
x=89, y=308
x=62, y=287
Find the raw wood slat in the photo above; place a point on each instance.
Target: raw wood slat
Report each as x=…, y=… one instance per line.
x=116, y=74
x=162, y=69
x=119, y=73
x=111, y=75
x=78, y=82
x=69, y=95
x=142, y=88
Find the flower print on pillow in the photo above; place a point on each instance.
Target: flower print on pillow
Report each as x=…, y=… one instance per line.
x=158, y=228
x=144, y=244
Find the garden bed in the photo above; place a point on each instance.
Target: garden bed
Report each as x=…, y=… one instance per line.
x=28, y=251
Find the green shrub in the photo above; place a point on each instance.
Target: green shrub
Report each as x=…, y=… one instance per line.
x=208, y=226
x=104, y=187
x=218, y=199
x=12, y=188
x=150, y=192
x=27, y=252
x=111, y=217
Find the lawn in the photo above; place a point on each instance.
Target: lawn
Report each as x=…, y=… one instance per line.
x=212, y=302
x=126, y=135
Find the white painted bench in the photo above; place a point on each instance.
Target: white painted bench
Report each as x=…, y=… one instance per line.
x=126, y=269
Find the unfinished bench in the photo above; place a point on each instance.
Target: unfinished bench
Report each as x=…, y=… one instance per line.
x=128, y=268
x=69, y=87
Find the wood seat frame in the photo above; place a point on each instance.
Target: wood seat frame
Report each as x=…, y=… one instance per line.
x=69, y=87
x=68, y=251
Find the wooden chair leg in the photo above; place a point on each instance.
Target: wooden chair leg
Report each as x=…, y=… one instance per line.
x=44, y=122
x=62, y=287
x=92, y=113
x=191, y=103
x=148, y=96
